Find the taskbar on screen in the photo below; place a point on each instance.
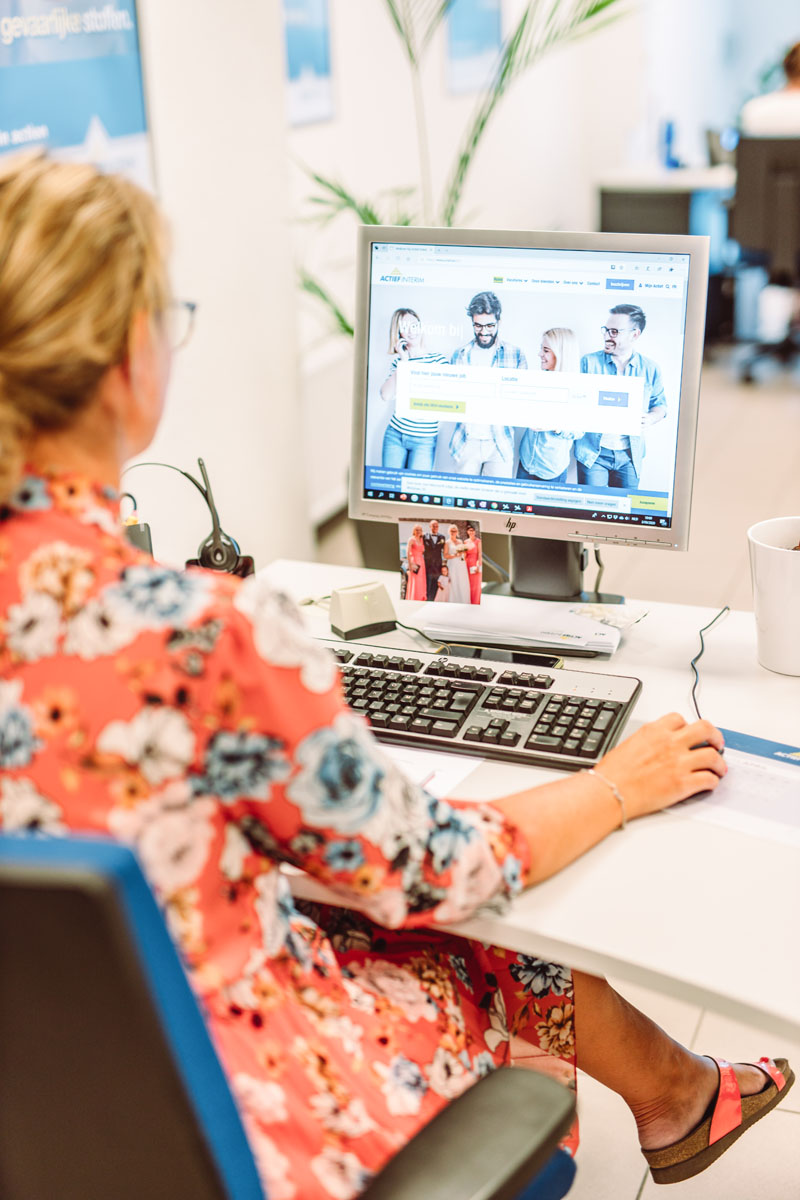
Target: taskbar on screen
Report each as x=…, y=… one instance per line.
x=478, y=506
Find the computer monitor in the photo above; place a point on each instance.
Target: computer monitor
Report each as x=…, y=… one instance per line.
x=487, y=383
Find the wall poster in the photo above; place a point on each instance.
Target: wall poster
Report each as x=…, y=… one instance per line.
x=71, y=81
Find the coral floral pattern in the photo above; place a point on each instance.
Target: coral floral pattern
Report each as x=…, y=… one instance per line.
x=189, y=715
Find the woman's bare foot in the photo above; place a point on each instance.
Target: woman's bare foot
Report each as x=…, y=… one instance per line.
x=669, y=1118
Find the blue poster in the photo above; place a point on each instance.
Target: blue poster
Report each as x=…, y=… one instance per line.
x=474, y=38
x=71, y=81
x=308, y=61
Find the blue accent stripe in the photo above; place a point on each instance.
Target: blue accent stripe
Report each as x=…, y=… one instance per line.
x=762, y=747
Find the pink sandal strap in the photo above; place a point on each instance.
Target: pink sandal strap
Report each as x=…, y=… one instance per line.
x=769, y=1068
x=728, y=1109
x=727, y=1113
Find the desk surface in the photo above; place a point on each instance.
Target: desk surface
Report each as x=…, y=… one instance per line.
x=685, y=907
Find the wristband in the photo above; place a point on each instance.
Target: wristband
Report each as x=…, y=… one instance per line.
x=614, y=789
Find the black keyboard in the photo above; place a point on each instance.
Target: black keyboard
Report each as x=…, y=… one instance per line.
x=549, y=718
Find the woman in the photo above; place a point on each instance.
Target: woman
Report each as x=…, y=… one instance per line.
x=417, y=585
x=544, y=454
x=408, y=444
x=455, y=553
x=474, y=561
x=189, y=714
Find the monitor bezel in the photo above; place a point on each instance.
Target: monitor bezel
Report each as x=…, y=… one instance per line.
x=675, y=537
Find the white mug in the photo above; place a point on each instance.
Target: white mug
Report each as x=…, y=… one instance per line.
x=775, y=571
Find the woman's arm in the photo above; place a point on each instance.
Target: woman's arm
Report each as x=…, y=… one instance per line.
x=652, y=769
x=389, y=386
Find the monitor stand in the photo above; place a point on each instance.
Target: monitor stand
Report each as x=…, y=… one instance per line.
x=547, y=569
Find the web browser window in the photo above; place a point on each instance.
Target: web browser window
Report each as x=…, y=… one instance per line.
x=526, y=380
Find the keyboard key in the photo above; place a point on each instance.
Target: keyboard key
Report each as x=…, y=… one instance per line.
x=444, y=728
x=509, y=738
x=379, y=719
x=591, y=745
x=541, y=741
x=364, y=660
x=343, y=656
x=602, y=721
x=491, y=736
x=412, y=664
x=572, y=744
x=465, y=685
x=484, y=673
x=443, y=714
x=498, y=723
x=420, y=725
x=473, y=733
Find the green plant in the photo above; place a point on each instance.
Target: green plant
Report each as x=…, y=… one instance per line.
x=543, y=25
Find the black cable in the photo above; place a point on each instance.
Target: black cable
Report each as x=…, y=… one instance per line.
x=699, y=654
x=601, y=566
x=434, y=641
x=170, y=467
x=501, y=571
x=131, y=497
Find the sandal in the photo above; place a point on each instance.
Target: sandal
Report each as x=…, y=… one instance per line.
x=726, y=1119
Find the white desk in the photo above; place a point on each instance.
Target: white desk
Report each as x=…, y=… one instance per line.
x=684, y=907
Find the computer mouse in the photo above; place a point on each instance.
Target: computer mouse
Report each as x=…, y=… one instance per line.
x=702, y=746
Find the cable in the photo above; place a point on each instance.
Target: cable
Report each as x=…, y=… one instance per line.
x=699, y=654
x=501, y=571
x=170, y=467
x=434, y=641
x=600, y=569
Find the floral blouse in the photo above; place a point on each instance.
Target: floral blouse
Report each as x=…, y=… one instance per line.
x=188, y=714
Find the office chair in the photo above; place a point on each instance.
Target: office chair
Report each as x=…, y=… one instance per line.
x=765, y=220
x=110, y=1088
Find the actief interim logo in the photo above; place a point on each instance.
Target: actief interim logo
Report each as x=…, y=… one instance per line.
x=396, y=276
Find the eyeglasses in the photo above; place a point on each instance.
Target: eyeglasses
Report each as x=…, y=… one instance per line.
x=613, y=332
x=180, y=322
x=487, y=325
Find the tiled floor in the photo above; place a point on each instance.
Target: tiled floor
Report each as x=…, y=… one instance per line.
x=747, y=469
x=764, y=1165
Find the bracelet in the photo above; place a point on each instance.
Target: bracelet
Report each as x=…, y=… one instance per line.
x=614, y=789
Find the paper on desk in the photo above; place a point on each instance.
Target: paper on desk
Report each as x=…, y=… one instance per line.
x=438, y=773
x=760, y=795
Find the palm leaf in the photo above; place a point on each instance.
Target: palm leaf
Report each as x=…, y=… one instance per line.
x=334, y=198
x=543, y=25
x=416, y=21
x=314, y=288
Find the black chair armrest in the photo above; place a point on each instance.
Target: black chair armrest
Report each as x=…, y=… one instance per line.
x=486, y=1145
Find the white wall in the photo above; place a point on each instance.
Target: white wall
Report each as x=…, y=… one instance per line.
x=558, y=129
x=216, y=101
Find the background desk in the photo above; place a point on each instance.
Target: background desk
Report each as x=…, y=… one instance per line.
x=681, y=200
x=687, y=908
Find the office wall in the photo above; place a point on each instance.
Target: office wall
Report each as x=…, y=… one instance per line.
x=562, y=125
x=214, y=77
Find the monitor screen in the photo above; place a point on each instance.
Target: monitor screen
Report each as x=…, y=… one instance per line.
x=549, y=382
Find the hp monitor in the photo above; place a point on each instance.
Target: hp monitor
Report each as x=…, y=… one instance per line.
x=546, y=383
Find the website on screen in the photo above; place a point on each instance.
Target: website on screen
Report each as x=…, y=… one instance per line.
x=525, y=380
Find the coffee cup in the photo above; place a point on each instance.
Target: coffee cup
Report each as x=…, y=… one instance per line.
x=775, y=572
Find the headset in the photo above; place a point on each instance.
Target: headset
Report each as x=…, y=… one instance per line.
x=219, y=551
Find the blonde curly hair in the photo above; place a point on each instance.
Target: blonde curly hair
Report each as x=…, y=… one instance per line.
x=81, y=253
